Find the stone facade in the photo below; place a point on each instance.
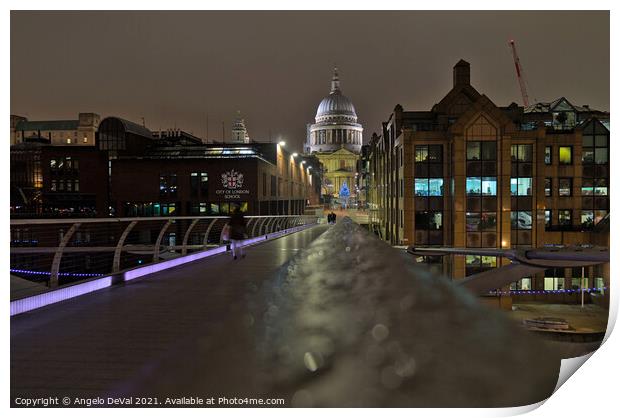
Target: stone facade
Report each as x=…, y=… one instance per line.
x=80, y=132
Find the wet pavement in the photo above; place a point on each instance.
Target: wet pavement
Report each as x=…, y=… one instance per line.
x=324, y=317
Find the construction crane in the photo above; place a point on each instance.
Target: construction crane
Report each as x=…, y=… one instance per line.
x=520, y=74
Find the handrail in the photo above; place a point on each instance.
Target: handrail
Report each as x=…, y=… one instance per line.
x=35, y=221
x=43, y=252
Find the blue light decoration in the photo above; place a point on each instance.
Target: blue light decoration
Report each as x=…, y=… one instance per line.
x=546, y=292
x=344, y=194
x=47, y=273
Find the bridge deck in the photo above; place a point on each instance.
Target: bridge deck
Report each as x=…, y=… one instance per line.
x=349, y=322
x=181, y=331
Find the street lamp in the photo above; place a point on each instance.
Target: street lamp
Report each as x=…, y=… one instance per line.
x=282, y=143
x=295, y=154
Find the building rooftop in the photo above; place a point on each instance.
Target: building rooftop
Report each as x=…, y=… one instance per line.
x=47, y=125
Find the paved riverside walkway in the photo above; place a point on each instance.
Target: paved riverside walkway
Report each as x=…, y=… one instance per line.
x=324, y=317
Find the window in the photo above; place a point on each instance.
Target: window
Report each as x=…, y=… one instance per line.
x=477, y=264
x=76, y=186
x=473, y=150
x=587, y=218
x=565, y=217
x=521, y=220
x=548, y=221
x=85, y=139
x=168, y=185
x=473, y=186
x=485, y=186
x=521, y=186
x=428, y=187
x=521, y=153
x=193, y=184
x=204, y=185
x=53, y=186
x=554, y=283
x=548, y=186
x=68, y=140
x=523, y=284
x=565, y=155
x=428, y=227
x=565, y=187
x=476, y=222
x=481, y=151
x=428, y=161
x=489, y=186
x=421, y=153
x=600, y=188
x=548, y=154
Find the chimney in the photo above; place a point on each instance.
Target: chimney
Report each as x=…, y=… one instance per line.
x=461, y=73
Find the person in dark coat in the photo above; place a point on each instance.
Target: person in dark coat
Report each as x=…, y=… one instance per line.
x=237, y=233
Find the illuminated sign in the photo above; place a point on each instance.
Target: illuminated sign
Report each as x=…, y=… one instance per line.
x=232, y=179
x=232, y=183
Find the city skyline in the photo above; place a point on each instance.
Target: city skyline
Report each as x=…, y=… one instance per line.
x=119, y=67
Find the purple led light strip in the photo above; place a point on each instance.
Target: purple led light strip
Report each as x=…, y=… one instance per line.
x=37, y=301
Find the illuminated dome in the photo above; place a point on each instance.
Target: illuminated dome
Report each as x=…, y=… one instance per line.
x=336, y=105
x=335, y=124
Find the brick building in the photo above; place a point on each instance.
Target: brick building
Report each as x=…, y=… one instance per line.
x=468, y=173
x=135, y=172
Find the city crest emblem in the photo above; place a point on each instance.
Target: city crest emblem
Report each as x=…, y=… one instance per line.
x=232, y=179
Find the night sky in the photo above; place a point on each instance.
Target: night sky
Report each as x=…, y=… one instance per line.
x=174, y=68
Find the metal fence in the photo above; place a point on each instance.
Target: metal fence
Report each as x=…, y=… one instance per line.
x=62, y=251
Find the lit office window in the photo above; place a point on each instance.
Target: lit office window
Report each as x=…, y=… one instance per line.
x=521, y=153
x=523, y=284
x=565, y=218
x=473, y=185
x=477, y=264
x=587, y=218
x=168, y=185
x=565, y=187
x=485, y=186
x=521, y=186
x=548, y=155
x=489, y=186
x=428, y=187
x=565, y=155
x=548, y=186
x=600, y=187
x=548, y=218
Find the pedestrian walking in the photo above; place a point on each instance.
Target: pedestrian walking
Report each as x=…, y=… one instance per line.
x=237, y=233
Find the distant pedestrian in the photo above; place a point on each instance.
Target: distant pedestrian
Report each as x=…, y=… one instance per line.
x=237, y=233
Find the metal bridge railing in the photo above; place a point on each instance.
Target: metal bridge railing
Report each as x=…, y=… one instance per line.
x=62, y=251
